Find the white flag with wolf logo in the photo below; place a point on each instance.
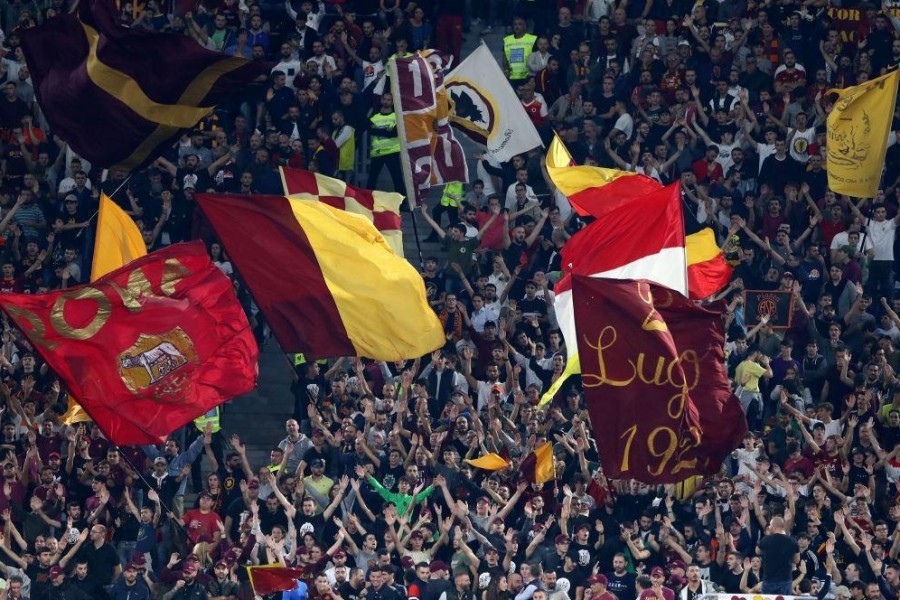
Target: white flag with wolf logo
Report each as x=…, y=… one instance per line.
x=485, y=108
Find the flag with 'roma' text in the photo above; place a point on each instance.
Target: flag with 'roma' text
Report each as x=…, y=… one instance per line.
x=857, y=131
x=147, y=348
x=118, y=95
x=325, y=279
x=655, y=385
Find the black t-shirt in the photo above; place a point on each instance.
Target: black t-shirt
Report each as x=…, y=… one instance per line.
x=101, y=562
x=621, y=585
x=778, y=552
x=40, y=579
x=234, y=511
x=730, y=581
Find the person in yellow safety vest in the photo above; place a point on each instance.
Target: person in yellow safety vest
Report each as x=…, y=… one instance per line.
x=384, y=145
x=345, y=139
x=213, y=418
x=516, y=48
x=450, y=201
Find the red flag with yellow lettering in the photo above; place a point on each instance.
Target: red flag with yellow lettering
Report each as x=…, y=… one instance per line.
x=653, y=371
x=148, y=347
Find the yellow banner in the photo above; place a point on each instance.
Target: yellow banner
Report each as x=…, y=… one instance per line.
x=858, y=129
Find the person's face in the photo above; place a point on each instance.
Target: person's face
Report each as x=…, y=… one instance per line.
x=618, y=564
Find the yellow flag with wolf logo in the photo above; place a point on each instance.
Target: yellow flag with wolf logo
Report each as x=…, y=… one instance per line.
x=858, y=129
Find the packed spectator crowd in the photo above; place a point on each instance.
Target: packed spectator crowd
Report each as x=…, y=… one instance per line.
x=367, y=490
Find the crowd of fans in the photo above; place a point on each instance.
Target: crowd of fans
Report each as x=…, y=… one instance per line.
x=367, y=490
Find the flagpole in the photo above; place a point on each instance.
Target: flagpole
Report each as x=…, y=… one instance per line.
x=412, y=213
x=97, y=212
x=149, y=487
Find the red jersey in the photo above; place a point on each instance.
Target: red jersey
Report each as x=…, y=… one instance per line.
x=536, y=109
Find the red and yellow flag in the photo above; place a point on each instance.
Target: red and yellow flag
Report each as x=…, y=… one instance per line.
x=538, y=466
x=148, y=347
x=325, y=279
x=382, y=209
x=594, y=191
x=707, y=270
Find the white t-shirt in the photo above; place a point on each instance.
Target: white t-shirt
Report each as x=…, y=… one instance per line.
x=882, y=235
x=799, y=148
x=625, y=124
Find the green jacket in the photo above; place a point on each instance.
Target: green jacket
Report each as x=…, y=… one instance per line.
x=401, y=500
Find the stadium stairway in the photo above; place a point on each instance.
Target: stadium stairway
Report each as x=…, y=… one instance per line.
x=258, y=417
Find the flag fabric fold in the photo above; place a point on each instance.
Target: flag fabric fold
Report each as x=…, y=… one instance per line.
x=382, y=209
x=119, y=95
x=643, y=239
x=325, y=279
x=485, y=108
x=655, y=385
x=118, y=241
x=271, y=579
x=537, y=466
x=594, y=191
x=857, y=131
x=148, y=347
x=489, y=462
x=430, y=154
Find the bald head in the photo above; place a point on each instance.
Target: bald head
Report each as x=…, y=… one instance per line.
x=776, y=525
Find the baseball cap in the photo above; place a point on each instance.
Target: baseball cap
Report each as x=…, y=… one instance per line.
x=657, y=572
x=416, y=535
x=677, y=564
x=598, y=578
x=221, y=563
x=438, y=565
x=128, y=567
x=159, y=460
x=189, y=567
x=492, y=324
x=787, y=274
x=562, y=539
x=53, y=455
x=318, y=463
x=491, y=549
x=56, y=571
x=339, y=554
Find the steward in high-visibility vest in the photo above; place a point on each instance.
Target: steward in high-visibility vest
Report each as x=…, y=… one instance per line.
x=213, y=416
x=516, y=48
x=383, y=133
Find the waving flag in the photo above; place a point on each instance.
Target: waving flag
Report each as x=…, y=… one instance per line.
x=119, y=95
x=325, y=279
x=486, y=109
x=659, y=424
x=858, y=128
x=430, y=155
x=594, y=191
x=382, y=209
x=640, y=240
x=148, y=347
x=118, y=240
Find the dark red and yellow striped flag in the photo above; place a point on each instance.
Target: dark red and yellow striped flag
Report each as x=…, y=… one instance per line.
x=118, y=95
x=325, y=279
x=538, y=466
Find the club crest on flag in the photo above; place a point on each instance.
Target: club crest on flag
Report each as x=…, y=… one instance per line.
x=472, y=109
x=154, y=359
